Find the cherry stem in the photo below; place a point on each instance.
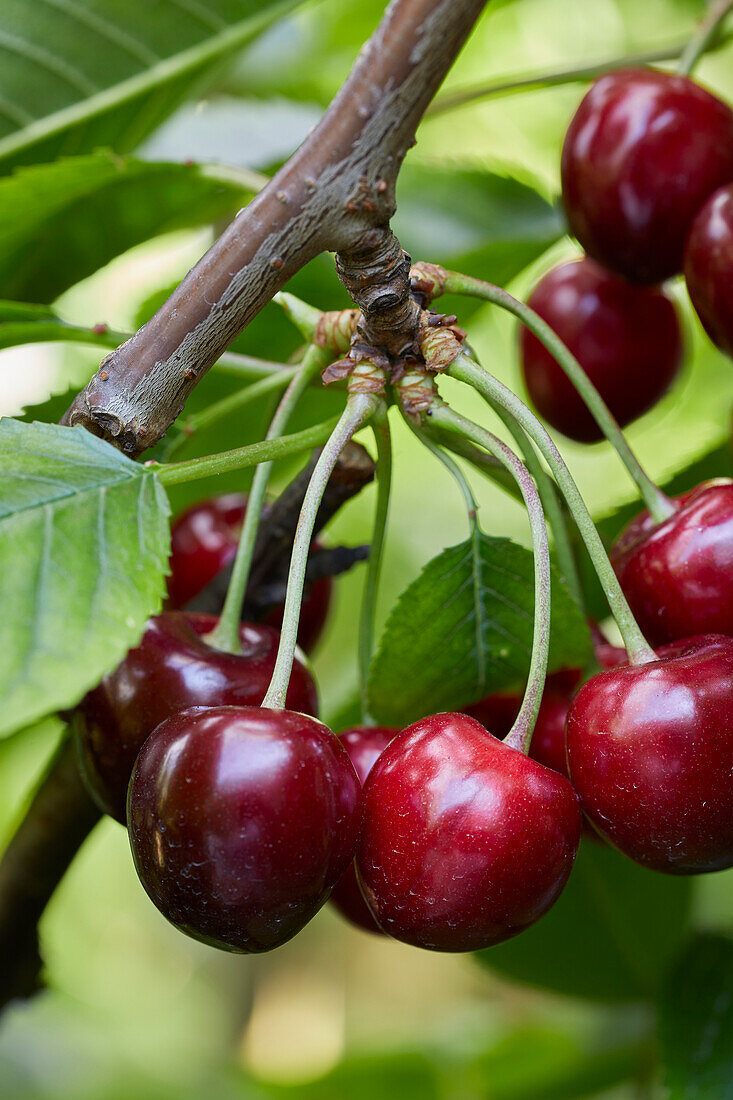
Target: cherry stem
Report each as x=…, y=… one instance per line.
x=453, y=469
x=240, y=458
x=527, y=82
x=484, y=463
x=704, y=37
x=383, y=440
x=233, y=403
x=659, y=506
x=520, y=735
x=359, y=409
x=304, y=317
x=225, y=634
x=466, y=370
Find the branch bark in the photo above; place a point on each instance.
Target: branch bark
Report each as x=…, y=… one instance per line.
x=336, y=193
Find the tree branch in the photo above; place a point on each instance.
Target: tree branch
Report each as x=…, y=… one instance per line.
x=336, y=193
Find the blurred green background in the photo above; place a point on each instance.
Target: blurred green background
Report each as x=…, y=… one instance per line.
x=133, y=1009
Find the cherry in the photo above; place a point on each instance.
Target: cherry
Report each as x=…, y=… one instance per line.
x=709, y=267
x=241, y=820
x=172, y=669
x=626, y=338
x=465, y=841
x=642, y=154
x=364, y=744
x=678, y=575
x=497, y=712
x=204, y=540
x=650, y=749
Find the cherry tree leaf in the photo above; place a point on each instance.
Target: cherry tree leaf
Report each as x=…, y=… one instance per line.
x=464, y=628
x=83, y=550
x=696, y=1022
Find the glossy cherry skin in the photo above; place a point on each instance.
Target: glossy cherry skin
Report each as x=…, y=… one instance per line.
x=241, y=820
x=678, y=575
x=204, y=540
x=709, y=267
x=364, y=744
x=643, y=152
x=626, y=338
x=650, y=749
x=170, y=670
x=465, y=841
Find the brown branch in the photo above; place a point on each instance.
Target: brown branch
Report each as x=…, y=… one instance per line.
x=336, y=193
x=60, y=817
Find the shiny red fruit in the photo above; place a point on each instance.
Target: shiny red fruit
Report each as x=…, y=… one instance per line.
x=497, y=712
x=678, y=575
x=626, y=338
x=364, y=744
x=170, y=670
x=709, y=267
x=643, y=152
x=650, y=749
x=204, y=540
x=241, y=820
x=465, y=841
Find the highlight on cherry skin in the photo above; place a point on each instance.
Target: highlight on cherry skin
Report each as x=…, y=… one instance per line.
x=465, y=841
x=650, y=752
x=643, y=152
x=204, y=539
x=172, y=668
x=241, y=820
x=678, y=575
x=626, y=338
x=364, y=744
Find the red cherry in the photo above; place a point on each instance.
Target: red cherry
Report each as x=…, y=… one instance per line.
x=497, y=712
x=204, y=540
x=678, y=575
x=364, y=744
x=709, y=267
x=650, y=749
x=241, y=820
x=170, y=670
x=465, y=841
x=626, y=338
x=644, y=151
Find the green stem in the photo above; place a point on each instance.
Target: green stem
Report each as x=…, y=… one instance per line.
x=193, y=469
x=660, y=507
x=383, y=440
x=520, y=735
x=527, y=82
x=359, y=409
x=451, y=466
x=705, y=36
x=304, y=317
x=485, y=463
x=233, y=403
x=469, y=372
x=225, y=634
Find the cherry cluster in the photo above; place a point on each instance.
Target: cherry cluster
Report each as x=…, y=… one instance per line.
x=647, y=185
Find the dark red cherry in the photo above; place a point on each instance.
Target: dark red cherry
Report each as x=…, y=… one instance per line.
x=465, y=841
x=626, y=338
x=643, y=152
x=678, y=575
x=497, y=712
x=241, y=820
x=171, y=669
x=650, y=749
x=709, y=267
x=204, y=540
x=364, y=744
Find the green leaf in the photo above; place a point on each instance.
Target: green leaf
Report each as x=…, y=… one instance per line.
x=79, y=75
x=476, y=222
x=610, y=936
x=83, y=549
x=696, y=1022
x=61, y=222
x=464, y=628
